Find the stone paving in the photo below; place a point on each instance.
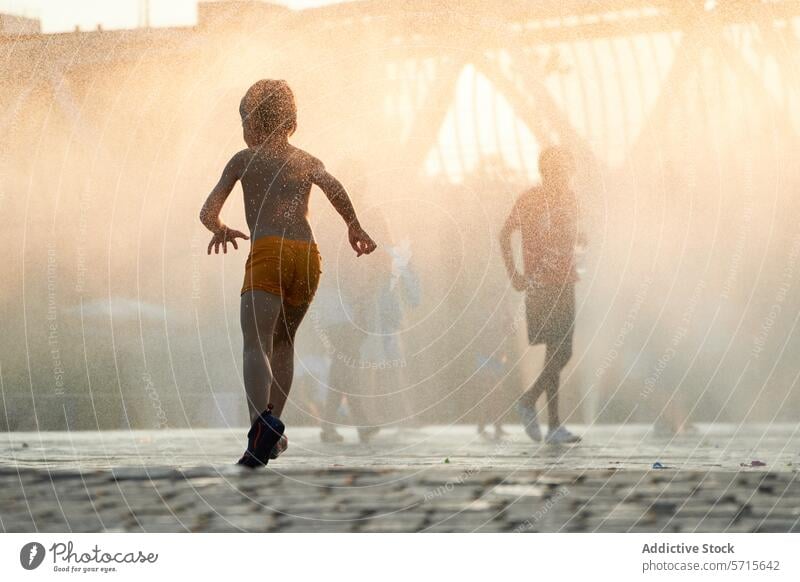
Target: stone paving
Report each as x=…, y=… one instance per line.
x=433, y=480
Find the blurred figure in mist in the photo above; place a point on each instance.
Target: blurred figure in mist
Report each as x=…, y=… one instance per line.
x=668, y=394
x=367, y=356
x=344, y=310
x=493, y=385
x=547, y=218
x=492, y=369
x=670, y=351
x=398, y=294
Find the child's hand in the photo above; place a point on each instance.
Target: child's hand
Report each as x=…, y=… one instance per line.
x=519, y=282
x=223, y=237
x=360, y=241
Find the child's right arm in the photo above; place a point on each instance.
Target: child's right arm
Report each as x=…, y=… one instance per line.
x=512, y=223
x=359, y=239
x=209, y=214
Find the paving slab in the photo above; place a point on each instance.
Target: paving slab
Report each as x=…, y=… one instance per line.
x=121, y=481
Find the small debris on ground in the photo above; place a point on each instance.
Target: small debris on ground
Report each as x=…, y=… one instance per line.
x=753, y=464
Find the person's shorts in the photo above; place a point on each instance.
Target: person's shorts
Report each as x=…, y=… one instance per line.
x=285, y=267
x=551, y=316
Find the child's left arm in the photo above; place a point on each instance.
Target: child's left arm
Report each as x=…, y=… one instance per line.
x=209, y=214
x=359, y=239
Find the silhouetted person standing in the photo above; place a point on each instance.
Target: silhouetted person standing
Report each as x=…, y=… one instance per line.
x=547, y=217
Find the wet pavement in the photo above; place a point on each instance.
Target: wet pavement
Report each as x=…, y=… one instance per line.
x=427, y=479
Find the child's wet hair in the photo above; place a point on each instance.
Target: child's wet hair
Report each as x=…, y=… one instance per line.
x=268, y=106
x=555, y=157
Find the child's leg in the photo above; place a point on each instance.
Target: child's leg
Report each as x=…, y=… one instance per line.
x=555, y=360
x=282, y=355
x=259, y=313
x=343, y=375
x=530, y=397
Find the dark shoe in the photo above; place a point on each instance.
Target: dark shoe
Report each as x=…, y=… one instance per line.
x=261, y=439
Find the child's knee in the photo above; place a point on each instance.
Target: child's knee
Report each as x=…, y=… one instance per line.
x=283, y=336
x=254, y=346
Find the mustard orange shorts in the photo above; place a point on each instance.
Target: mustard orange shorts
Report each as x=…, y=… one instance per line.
x=285, y=267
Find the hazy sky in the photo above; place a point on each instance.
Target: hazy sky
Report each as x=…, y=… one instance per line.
x=64, y=15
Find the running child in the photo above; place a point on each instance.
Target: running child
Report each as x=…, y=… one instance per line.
x=547, y=217
x=283, y=268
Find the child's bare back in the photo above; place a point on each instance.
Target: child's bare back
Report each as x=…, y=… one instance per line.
x=276, y=186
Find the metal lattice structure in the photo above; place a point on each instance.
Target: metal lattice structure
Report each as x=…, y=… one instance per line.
x=516, y=45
